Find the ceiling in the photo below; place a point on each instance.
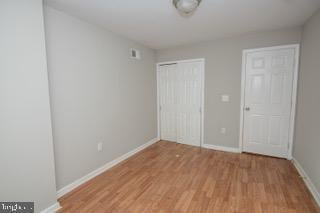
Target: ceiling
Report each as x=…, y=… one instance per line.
x=157, y=24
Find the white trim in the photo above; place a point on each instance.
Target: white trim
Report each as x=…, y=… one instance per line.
x=221, y=148
x=294, y=92
x=202, y=93
x=54, y=208
x=181, y=61
x=271, y=48
x=202, y=100
x=158, y=102
x=294, y=100
x=243, y=81
x=102, y=169
x=313, y=190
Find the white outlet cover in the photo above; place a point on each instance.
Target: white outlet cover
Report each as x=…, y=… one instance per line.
x=223, y=130
x=99, y=147
x=225, y=98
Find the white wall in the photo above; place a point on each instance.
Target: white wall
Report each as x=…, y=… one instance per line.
x=26, y=152
x=98, y=94
x=223, y=76
x=307, y=138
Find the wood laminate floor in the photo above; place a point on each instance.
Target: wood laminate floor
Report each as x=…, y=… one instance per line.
x=170, y=177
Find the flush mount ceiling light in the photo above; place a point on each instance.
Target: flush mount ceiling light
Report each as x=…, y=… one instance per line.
x=186, y=6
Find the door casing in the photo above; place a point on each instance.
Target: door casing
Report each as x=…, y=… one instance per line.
x=296, y=47
x=202, y=60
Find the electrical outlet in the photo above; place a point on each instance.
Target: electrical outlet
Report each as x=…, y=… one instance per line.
x=99, y=147
x=225, y=98
x=223, y=130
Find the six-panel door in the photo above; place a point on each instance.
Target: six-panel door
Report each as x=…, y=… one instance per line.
x=268, y=95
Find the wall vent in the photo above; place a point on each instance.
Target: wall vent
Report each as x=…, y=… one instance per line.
x=135, y=53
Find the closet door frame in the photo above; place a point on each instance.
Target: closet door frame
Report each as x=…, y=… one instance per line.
x=202, y=61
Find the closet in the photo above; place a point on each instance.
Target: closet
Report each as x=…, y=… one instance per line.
x=180, y=101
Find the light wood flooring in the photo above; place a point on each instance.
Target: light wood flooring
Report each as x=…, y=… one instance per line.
x=170, y=177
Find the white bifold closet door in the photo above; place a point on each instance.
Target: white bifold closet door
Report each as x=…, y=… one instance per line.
x=180, y=99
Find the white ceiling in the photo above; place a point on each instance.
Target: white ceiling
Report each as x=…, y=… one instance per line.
x=157, y=24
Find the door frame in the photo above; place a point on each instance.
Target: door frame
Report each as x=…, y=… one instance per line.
x=202, y=60
x=296, y=47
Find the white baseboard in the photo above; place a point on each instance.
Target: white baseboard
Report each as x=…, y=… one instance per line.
x=102, y=169
x=307, y=181
x=51, y=209
x=221, y=148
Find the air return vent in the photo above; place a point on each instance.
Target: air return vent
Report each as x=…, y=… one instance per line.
x=135, y=54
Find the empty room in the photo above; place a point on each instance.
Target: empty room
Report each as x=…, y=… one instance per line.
x=160, y=106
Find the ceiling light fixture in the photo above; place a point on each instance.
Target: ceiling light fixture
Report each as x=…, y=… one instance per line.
x=186, y=6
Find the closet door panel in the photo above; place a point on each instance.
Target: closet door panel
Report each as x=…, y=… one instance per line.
x=168, y=96
x=189, y=103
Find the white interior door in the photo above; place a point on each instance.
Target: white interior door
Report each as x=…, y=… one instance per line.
x=268, y=101
x=180, y=95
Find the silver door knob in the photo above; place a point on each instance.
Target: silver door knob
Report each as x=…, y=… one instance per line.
x=247, y=108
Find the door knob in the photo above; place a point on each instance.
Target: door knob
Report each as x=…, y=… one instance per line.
x=247, y=108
